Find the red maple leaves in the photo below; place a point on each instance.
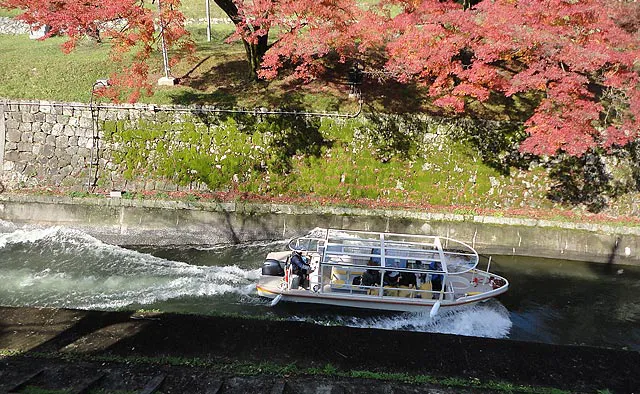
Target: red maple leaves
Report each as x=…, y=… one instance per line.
x=578, y=58
x=568, y=51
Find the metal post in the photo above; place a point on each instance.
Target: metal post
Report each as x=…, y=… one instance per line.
x=165, y=56
x=3, y=131
x=208, y=21
x=91, y=180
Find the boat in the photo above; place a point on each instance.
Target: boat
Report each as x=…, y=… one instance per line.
x=378, y=270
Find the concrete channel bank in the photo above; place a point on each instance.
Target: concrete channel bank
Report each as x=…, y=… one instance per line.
x=160, y=222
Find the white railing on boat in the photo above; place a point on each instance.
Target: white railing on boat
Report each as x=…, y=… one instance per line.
x=337, y=257
x=335, y=277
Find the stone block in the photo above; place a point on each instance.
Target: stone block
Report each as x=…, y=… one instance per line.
x=28, y=117
x=88, y=133
x=166, y=81
x=12, y=124
x=65, y=171
x=62, y=142
x=39, y=138
x=57, y=129
x=47, y=128
x=49, y=118
x=37, y=33
x=62, y=119
x=40, y=117
x=17, y=116
x=74, y=122
x=71, y=150
x=68, y=131
x=10, y=146
x=73, y=141
x=86, y=123
x=27, y=156
x=19, y=167
x=35, y=149
x=12, y=155
x=67, y=111
x=50, y=140
x=45, y=107
x=26, y=137
x=13, y=135
x=8, y=165
x=36, y=127
x=29, y=169
x=64, y=161
x=24, y=127
x=84, y=152
x=25, y=147
x=83, y=142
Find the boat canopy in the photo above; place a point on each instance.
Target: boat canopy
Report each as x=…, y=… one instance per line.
x=406, y=251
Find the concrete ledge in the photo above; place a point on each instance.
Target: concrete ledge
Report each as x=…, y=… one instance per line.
x=160, y=222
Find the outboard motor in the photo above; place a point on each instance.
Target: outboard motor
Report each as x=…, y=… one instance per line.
x=272, y=267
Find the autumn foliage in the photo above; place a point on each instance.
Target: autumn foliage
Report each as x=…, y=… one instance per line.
x=576, y=59
x=572, y=52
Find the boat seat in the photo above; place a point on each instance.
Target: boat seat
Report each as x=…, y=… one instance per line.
x=342, y=275
x=426, y=290
x=406, y=291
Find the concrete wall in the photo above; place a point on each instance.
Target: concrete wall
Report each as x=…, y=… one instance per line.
x=154, y=222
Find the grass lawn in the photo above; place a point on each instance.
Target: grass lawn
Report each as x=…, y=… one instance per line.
x=32, y=69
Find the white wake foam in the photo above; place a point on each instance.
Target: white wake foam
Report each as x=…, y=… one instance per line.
x=489, y=319
x=58, y=267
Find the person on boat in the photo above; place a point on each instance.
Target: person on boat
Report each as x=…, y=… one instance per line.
x=391, y=278
x=436, y=279
x=300, y=267
x=371, y=277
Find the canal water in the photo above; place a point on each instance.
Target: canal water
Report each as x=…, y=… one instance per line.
x=551, y=301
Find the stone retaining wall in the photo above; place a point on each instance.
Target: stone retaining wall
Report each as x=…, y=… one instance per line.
x=50, y=144
x=16, y=27
x=13, y=27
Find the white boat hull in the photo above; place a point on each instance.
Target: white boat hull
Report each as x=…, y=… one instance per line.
x=374, y=302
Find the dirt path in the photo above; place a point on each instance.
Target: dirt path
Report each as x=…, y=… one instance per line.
x=217, y=344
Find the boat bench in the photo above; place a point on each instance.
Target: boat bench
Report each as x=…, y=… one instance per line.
x=342, y=279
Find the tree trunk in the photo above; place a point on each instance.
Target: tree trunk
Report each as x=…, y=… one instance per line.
x=255, y=52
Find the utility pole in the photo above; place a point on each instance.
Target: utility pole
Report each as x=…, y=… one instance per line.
x=167, y=80
x=208, y=21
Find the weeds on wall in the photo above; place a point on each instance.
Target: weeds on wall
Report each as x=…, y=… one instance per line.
x=375, y=158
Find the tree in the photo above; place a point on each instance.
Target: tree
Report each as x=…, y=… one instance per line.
x=128, y=24
x=305, y=30
x=570, y=51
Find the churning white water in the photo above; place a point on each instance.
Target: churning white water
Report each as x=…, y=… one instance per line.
x=489, y=319
x=57, y=267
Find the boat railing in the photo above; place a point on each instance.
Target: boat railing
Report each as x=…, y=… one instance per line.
x=335, y=277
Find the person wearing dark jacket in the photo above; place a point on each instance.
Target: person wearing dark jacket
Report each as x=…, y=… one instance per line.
x=299, y=267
